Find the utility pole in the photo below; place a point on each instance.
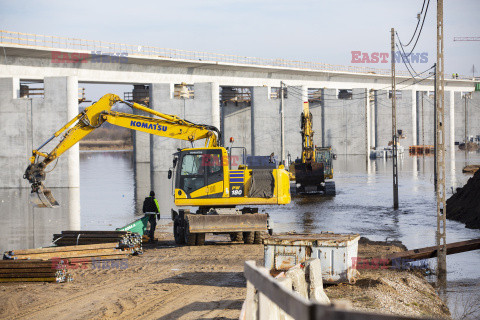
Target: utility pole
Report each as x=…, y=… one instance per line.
x=435, y=126
x=466, y=96
x=440, y=138
x=282, y=122
x=394, y=124
x=423, y=135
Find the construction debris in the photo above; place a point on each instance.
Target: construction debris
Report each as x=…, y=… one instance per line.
x=33, y=271
x=124, y=239
x=464, y=205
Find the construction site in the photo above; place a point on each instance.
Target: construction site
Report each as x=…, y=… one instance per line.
x=153, y=183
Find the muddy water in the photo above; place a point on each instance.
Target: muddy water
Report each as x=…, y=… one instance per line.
x=110, y=196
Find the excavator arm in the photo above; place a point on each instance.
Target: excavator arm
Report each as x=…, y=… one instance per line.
x=93, y=117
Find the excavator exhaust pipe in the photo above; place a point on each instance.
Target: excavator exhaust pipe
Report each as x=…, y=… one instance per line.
x=42, y=197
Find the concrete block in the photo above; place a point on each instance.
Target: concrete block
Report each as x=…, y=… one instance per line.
x=313, y=274
x=297, y=275
x=280, y=314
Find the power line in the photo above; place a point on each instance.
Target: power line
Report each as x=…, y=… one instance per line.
x=418, y=23
x=292, y=89
x=421, y=28
x=403, y=60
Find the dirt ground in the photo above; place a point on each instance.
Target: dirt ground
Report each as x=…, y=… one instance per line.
x=169, y=282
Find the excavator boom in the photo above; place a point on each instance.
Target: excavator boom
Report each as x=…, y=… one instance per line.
x=93, y=117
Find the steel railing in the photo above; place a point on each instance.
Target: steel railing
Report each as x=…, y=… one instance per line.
x=56, y=42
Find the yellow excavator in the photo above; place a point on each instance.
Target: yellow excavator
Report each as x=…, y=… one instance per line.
x=226, y=199
x=311, y=172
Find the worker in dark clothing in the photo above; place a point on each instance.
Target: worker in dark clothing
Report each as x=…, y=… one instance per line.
x=151, y=207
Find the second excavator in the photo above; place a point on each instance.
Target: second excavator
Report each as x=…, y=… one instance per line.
x=314, y=171
x=226, y=199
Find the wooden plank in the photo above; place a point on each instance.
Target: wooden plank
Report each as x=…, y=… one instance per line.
x=90, y=255
x=24, y=264
x=28, y=280
x=27, y=270
x=88, y=236
x=68, y=254
x=28, y=275
x=65, y=248
x=431, y=252
x=116, y=232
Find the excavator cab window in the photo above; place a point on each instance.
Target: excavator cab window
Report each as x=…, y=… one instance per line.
x=198, y=168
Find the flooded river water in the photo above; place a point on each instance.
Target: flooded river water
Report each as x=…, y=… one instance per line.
x=108, y=199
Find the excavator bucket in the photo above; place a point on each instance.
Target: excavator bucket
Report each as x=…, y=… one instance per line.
x=309, y=174
x=43, y=198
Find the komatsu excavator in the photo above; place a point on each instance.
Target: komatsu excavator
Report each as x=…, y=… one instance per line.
x=311, y=172
x=202, y=177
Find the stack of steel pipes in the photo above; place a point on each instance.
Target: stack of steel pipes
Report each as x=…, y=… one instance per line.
x=81, y=253
x=33, y=270
x=124, y=239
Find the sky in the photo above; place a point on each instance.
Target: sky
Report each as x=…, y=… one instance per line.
x=324, y=31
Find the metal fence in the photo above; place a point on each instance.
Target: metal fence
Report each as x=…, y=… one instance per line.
x=55, y=42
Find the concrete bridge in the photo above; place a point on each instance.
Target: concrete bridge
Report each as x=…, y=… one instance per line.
x=351, y=106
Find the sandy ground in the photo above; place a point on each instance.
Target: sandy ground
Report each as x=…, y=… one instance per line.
x=169, y=282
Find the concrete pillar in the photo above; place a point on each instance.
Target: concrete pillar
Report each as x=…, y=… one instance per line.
x=27, y=123
x=367, y=123
x=237, y=123
x=371, y=101
x=413, y=103
x=406, y=117
x=296, y=95
x=202, y=109
x=265, y=123
x=452, y=122
x=141, y=142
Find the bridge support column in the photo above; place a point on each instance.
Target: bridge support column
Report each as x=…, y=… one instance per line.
x=265, y=123
x=27, y=123
x=202, y=109
x=296, y=95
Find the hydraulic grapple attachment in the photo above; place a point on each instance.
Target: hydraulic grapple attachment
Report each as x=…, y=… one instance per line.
x=40, y=196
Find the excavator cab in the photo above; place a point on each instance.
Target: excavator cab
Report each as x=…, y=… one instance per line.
x=199, y=173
